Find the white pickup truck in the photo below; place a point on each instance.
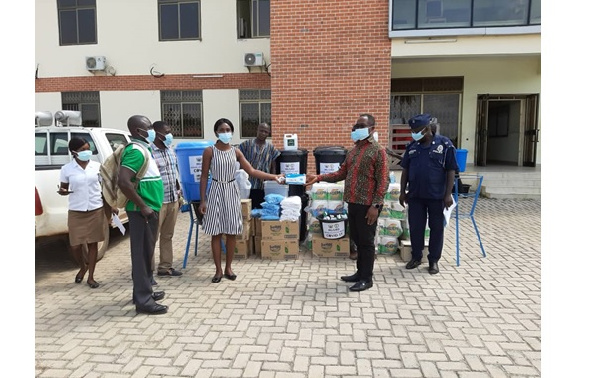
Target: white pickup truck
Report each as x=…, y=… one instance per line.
x=52, y=135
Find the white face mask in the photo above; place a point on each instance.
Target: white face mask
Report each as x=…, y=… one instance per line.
x=84, y=155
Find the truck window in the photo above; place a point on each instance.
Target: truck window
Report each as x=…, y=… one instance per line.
x=59, y=145
x=116, y=140
x=41, y=144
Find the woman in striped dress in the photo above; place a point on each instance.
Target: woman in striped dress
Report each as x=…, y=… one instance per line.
x=222, y=207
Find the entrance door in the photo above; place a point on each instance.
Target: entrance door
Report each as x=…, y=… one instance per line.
x=506, y=130
x=531, y=131
x=482, y=130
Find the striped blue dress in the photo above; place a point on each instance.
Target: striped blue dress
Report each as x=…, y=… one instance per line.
x=224, y=211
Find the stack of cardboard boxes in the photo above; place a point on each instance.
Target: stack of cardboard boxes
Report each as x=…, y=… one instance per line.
x=278, y=240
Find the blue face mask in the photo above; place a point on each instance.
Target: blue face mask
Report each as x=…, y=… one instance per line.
x=360, y=134
x=151, y=135
x=168, y=139
x=84, y=155
x=418, y=136
x=225, y=137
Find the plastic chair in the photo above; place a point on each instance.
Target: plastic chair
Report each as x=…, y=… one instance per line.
x=458, y=215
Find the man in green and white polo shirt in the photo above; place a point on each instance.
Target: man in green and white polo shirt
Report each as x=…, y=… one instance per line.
x=143, y=207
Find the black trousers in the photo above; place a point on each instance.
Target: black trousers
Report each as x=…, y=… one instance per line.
x=142, y=239
x=418, y=209
x=257, y=196
x=363, y=236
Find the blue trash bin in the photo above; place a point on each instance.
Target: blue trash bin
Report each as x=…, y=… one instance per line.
x=189, y=160
x=461, y=159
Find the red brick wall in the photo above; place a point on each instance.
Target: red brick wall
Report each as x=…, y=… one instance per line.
x=330, y=61
x=148, y=82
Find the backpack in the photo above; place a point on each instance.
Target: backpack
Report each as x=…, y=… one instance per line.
x=109, y=171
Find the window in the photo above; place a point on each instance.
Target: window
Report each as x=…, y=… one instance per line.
x=447, y=14
x=439, y=97
x=88, y=103
x=178, y=20
x=255, y=108
x=254, y=18
x=182, y=110
x=77, y=22
x=116, y=140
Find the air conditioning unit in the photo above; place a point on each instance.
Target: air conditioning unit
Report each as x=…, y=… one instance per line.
x=253, y=59
x=95, y=63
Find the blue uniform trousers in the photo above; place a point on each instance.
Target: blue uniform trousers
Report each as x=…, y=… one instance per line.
x=418, y=209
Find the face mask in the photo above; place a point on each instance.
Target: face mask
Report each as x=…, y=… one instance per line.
x=225, y=137
x=418, y=136
x=84, y=155
x=360, y=134
x=151, y=135
x=168, y=139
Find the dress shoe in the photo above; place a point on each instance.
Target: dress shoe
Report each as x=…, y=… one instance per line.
x=412, y=264
x=158, y=295
x=353, y=255
x=433, y=268
x=169, y=272
x=156, y=309
x=352, y=278
x=361, y=285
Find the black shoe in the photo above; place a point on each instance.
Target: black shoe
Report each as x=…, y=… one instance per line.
x=353, y=255
x=156, y=309
x=361, y=285
x=158, y=295
x=153, y=282
x=352, y=278
x=433, y=268
x=412, y=264
x=216, y=279
x=93, y=284
x=231, y=277
x=169, y=272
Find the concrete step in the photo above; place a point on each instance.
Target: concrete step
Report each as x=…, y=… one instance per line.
x=511, y=185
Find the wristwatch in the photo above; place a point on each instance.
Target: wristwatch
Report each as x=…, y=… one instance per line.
x=376, y=205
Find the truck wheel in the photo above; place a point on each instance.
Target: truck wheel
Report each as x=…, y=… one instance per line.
x=102, y=246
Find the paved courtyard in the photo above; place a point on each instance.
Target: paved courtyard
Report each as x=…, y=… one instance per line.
x=292, y=319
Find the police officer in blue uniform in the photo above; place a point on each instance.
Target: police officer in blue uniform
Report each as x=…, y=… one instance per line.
x=428, y=167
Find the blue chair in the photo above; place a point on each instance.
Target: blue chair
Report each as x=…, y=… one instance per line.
x=458, y=215
x=195, y=221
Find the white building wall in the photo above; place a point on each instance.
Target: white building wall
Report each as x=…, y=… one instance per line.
x=128, y=38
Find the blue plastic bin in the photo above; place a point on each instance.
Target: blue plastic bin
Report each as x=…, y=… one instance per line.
x=461, y=159
x=189, y=160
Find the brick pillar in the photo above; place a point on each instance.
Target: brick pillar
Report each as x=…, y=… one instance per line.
x=330, y=61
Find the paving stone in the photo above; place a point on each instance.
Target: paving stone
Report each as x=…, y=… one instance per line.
x=296, y=318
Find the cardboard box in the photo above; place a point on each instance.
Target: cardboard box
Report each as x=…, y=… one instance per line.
x=405, y=251
x=246, y=208
x=243, y=249
x=322, y=247
x=257, y=241
x=280, y=230
x=279, y=249
x=257, y=227
x=246, y=230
